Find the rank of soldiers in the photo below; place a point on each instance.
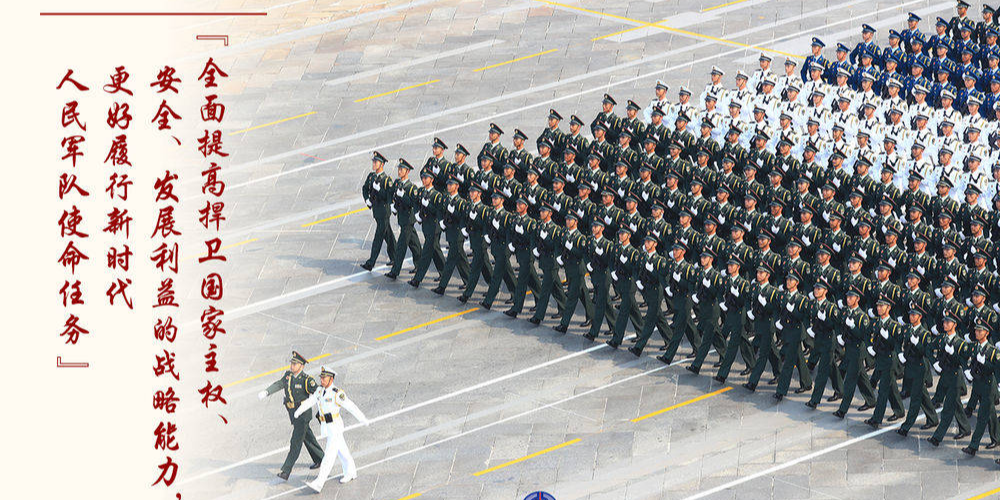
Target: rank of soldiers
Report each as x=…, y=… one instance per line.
x=790, y=231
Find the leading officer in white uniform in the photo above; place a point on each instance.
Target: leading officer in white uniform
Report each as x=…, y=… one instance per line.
x=330, y=400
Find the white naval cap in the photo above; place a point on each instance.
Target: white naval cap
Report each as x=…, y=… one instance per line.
x=327, y=372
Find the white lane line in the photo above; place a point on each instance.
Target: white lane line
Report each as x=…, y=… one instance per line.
x=417, y=406
x=326, y=334
x=319, y=29
x=683, y=20
x=412, y=62
x=804, y=458
x=309, y=214
x=493, y=424
x=541, y=88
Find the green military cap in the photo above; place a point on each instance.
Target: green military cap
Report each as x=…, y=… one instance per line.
x=559, y=178
x=509, y=165
x=883, y=266
x=573, y=119
x=498, y=194
x=709, y=252
x=521, y=200
x=982, y=325
x=632, y=198
x=797, y=241
x=945, y=214
x=608, y=192
x=438, y=143
x=583, y=186
x=546, y=207
x=570, y=149
x=729, y=158
x=520, y=135
x=633, y=105
x=824, y=248
x=684, y=213
x=427, y=173
x=683, y=116
x=658, y=110
x=740, y=226
x=404, y=164
x=950, y=316
x=475, y=187
x=609, y=100
x=595, y=154
x=645, y=167
x=487, y=155
x=752, y=195
x=679, y=245
x=764, y=234
x=854, y=290
x=764, y=266
x=735, y=259
x=885, y=299
x=327, y=372
x=673, y=173
x=627, y=132
x=697, y=180
x=794, y=274
x=724, y=188
x=298, y=358
x=597, y=222
x=658, y=205
x=452, y=180
x=601, y=125
x=914, y=274
x=856, y=257
x=973, y=188
x=544, y=141
x=495, y=129
x=704, y=151
x=822, y=282
x=886, y=200
x=554, y=115
x=459, y=148
x=650, y=237
x=836, y=153
x=711, y=219
x=621, y=163
x=945, y=181
x=675, y=144
x=376, y=156
x=571, y=215
x=980, y=289
x=948, y=280
x=624, y=229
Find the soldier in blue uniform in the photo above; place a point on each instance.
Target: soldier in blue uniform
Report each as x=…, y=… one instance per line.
x=940, y=37
x=815, y=57
x=867, y=44
x=911, y=31
x=834, y=68
x=895, y=48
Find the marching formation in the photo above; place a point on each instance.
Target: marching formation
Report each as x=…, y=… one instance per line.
x=833, y=221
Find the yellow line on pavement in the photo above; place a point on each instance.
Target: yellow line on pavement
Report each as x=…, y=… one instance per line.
x=283, y=368
x=352, y=212
x=411, y=497
x=497, y=65
x=678, y=405
x=985, y=495
x=644, y=24
x=272, y=123
x=410, y=329
x=397, y=90
x=734, y=2
x=527, y=457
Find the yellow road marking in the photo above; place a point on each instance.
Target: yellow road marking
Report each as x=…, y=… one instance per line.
x=658, y=24
x=734, y=2
x=678, y=405
x=526, y=457
x=397, y=90
x=497, y=65
x=411, y=497
x=984, y=495
x=410, y=329
x=352, y=212
x=283, y=368
x=272, y=123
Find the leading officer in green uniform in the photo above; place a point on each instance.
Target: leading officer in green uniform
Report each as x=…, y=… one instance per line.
x=297, y=387
x=377, y=192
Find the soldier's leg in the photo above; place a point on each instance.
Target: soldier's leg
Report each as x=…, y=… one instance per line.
x=427, y=254
x=764, y=346
x=413, y=242
x=994, y=431
x=960, y=418
x=970, y=406
x=805, y=377
x=788, y=362
x=558, y=293
x=401, y=244
x=925, y=404
x=884, y=376
x=895, y=396
x=950, y=400
x=735, y=338
x=574, y=283
x=677, y=326
x=718, y=341
x=693, y=336
x=600, y=303
x=588, y=303
x=542, y=300
x=312, y=445
x=475, y=270
x=454, y=250
x=634, y=313
x=836, y=377
x=709, y=331
x=438, y=254
x=524, y=273
x=982, y=419
x=500, y=270
x=463, y=262
x=649, y=322
x=624, y=313
x=390, y=240
x=746, y=348
x=865, y=387
x=299, y=426
x=823, y=361
x=940, y=391
x=852, y=372
x=916, y=402
x=381, y=225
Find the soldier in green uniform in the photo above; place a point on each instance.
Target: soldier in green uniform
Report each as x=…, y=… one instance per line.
x=556, y=137
x=887, y=336
x=405, y=201
x=650, y=281
x=952, y=354
x=628, y=262
x=599, y=261
x=543, y=247
x=577, y=140
x=377, y=192
x=984, y=362
x=437, y=165
x=764, y=303
x=476, y=215
x=825, y=320
x=428, y=215
x=499, y=222
x=854, y=336
x=709, y=294
x=608, y=119
x=918, y=345
x=297, y=386
x=792, y=315
x=519, y=157
x=733, y=306
x=572, y=248
x=519, y=236
x=464, y=173
x=450, y=221
x=678, y=290
x=496, y=150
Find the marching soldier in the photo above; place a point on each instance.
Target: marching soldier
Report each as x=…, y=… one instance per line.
x=651, y=280
x=952, y=355
x=917, y=346
x=404, y=203
x=984, y=361
x=886, y=339
x=450, y=221
x=708, y=296
x=428, y=215
x=519, y=236
x=826, y=318
x=854, y=336
x=328, y=401
x=678, y=290
x=792, y=316
x=499, y=223
x=544, y=249
x=495, y=150
x=297, y=386
x=607, y=118
x=763, y=306
x=601, y=258
x=476, y=215
x=624, y=272
x=572, y=251
x=377, y=193
x=439, y=167
x=733, y=307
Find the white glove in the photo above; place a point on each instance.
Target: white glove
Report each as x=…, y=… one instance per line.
x=473, y=215
x=871, y=350
x=723, y=307
x=376, y=186
x=451, y=209
x=262, y=395
x=677, y=276
x=639, y=284
x=968, y=375
x=751, y=315
x=760, y=299
x=735, y=291
x=649, y=266
x=821, y=316
x=425, y=202
x=810, y=332
x=519, y=229
x=884, y=333
x=534, y=251
x=531, y=199
x=937, y=367
x=778, y=325
x=902, y=359
x=670, y=293
x=840, y=303
x=569, y=245
x=850, y=322
x=368, y=203
x=441, y=224
x=394, y=212
x=419, y=218
x=914, y=339
x=840, y=339
x=465, y=232
x=694, y=298
x=981, y=358
x=590, y=268
x=559, y=260
x=496, y=224
x=705, y=282
x=790, y=307
x=614, y=275
x=949, y=349
x=623, y=259
x=934, y=330
x=607, y=219
x=399, y=192
x=599, y=250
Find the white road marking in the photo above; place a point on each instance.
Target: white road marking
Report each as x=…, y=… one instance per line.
x=412, y=62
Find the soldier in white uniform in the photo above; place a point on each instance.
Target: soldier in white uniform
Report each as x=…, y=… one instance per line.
x=330, y=400
x=715, y=87
x=757, y=79
x=661, y=101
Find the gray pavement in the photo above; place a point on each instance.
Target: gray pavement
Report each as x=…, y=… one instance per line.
x=469, y=393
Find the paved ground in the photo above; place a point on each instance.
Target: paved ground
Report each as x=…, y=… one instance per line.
x=472, y=392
